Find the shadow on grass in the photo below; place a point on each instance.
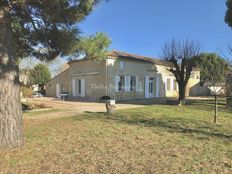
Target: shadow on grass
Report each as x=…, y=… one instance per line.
x=189, y=127
x=209, y=104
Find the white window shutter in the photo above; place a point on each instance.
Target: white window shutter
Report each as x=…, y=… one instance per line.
x=74, y=87
x=165, y=84
x=82, y=87
x=146, y=86
x=122, y=65
x=137, y=84
x=127, y=83
x=172, y=84
x=116, y=83
x=157, y=86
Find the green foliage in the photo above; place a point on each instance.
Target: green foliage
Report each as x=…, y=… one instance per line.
x=228, y=16
x=40, y=74
x=44, y=29
x=213, y=68
x=94, y=46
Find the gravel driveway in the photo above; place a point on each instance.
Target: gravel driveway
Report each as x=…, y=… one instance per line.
x=69, y=108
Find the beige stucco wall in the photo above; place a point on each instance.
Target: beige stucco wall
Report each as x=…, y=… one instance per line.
x=61, y=79
x=100, y=81
x=94, y=74
x=193, y=88
x=141, y=69
x=165, y=74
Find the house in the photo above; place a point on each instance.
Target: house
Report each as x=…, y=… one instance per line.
x=122, y=76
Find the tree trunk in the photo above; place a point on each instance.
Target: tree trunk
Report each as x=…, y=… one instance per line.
x=42, y=89
x=182, y=89
x=11, y=132
x=216, y=109
x=10, y=111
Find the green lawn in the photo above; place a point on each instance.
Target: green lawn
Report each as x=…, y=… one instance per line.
x=154, y=139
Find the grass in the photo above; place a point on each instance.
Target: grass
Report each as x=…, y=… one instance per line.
x=153, y=139
x=40, y=112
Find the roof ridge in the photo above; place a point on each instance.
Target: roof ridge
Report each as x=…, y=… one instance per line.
x=117, y=54
x=135, y=54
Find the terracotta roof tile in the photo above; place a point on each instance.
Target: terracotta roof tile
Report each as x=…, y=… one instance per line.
x=118, y=54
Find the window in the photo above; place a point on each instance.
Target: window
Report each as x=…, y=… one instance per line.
x=61, y=88
x=133, y=83
x=151, y=85
x=79, y=85
x=168, y=85
x=174, y=85
x=122, y=65
x=121, y=83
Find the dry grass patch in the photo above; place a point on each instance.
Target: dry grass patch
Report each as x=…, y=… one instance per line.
x=153, y=139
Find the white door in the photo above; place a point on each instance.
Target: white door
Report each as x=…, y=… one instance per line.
x=149, y=87
x=58, y=90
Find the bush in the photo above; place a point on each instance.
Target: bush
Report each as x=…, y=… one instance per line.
x=31, y=106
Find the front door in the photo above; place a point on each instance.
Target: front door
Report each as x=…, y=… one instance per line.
x=149, y=87
x=78, y=87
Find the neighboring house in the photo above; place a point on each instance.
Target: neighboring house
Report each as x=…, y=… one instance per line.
x=121, y=76
x=35, y=88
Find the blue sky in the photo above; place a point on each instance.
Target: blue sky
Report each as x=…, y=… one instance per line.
x=143, y=27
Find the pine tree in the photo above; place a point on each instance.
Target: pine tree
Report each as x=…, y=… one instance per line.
x=43, y=29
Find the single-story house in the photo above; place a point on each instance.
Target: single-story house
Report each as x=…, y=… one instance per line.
x=122, y=76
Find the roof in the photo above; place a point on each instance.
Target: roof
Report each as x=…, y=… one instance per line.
x=77, y=60
x=59, y=74
x=118, y=54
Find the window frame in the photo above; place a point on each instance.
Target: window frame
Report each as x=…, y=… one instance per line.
x=133, y=85
x=79, y=87
x=121, y=83
x=121, y=65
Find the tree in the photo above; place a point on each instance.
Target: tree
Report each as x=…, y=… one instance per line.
x=40, y=75
x=30, y=28
x=214, y=71
x=94, y=46
x=180, y=55
x=228, y=16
